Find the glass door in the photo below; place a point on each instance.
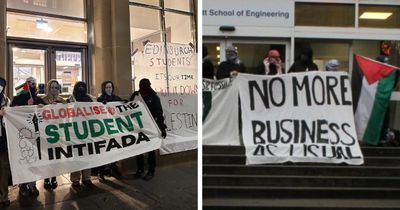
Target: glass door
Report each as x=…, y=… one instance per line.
x=27, y=62
x=215, y=49
x=252, y=52
x=68, y=69
x=66, y=64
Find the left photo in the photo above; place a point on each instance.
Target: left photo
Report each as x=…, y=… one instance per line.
x=98, y=104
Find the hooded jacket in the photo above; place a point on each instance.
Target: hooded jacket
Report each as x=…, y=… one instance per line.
x=104, y=98
x=304, y=65
x=152, y=102
x=80, y=95
x=50, y=99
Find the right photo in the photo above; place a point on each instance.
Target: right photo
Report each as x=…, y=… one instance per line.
x=301, y=104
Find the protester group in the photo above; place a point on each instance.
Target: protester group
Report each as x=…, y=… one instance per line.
x=27, y=94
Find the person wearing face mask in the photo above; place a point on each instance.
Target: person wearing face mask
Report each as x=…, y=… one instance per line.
x=29, y=98
x=153, y=103
x=272, y=64
x=4, y=162
x=52, y=97
x=107, y=95
x=232, y=66
x=305, y=62
x=79, y=94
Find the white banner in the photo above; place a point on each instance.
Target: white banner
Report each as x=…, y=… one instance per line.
x=220, y=112
x=177, y=89
x=304, y=117
x=180, y=113
x=182, y=68
x=62, y=138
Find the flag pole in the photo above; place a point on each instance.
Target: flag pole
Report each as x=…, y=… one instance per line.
x=29, y=89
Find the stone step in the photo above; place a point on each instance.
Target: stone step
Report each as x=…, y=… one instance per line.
x=241, y=159
x=300, y=203
x=301, y=181
x=302, y=170
x=366, y=150
x=220, y=191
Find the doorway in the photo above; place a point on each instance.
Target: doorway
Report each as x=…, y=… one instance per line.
x=65, y=63
x=250, y=52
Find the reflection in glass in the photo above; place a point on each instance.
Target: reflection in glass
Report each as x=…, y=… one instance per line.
x=145, y=25
x=181, y=27
x=27, y=63
x=68, y=70
x=183, y=5
x=40, y=27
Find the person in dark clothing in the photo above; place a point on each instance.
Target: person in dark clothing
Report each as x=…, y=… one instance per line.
x=79, y=94
x=385, y=126
x=305, y=62
x=28, y=98
x=232, y=66
x=107, y=95
x=153, y=103
x=208, y=67
x=4, y=162
x=271, y=65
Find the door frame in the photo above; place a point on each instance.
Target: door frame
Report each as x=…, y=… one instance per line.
x=264, y=41
x=50, y=62
x=227, y=41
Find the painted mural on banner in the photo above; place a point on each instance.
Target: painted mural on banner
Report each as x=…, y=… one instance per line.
x=181, y=61
x=302, y=117
x=63, y=138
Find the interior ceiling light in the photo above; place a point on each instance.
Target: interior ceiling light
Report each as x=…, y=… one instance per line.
x=376, y=15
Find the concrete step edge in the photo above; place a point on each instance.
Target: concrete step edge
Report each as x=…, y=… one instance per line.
x=297, y=177
x=300, y=202
x=377, y=189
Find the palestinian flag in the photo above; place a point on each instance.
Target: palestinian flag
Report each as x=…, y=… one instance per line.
x=372, y=84
x=22, y=89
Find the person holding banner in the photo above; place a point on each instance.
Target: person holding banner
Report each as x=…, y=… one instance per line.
x=305, y=62
x=107, y=95
x=208, y=67
x=52, y=97
x=79, y=94
x=154, y=105
x=272, y=64
x=27, y=95
x=4, y=162
x=232, y=66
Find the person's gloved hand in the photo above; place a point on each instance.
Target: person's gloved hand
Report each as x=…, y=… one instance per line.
x=163, y=133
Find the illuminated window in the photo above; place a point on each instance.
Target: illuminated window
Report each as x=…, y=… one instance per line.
x=41, y=27
x=70, y=8
x=379, y=16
